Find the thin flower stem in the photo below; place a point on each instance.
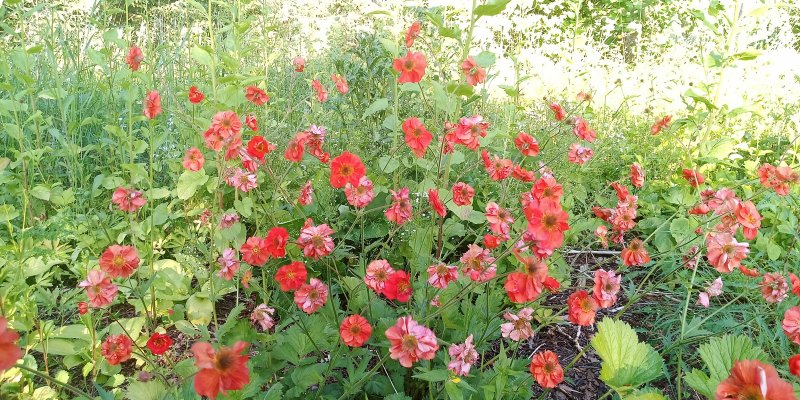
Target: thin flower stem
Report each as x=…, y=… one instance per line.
x=50, y=379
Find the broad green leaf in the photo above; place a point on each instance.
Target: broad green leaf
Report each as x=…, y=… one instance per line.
x=188, y=183
x=718, y=355
x=199, y=309
x=201, y=55
x=388, y=164
x=151, y=390
x=436, y=375
x=7, y=213
x=376, y=106
x=627, y=363
x=485, y=59
x=492, y=7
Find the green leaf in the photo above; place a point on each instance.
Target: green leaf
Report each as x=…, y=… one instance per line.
x=308, y=375
x=201, y=55
x=436, y=375
x=199, y=309
x=388, y=164
x=627, y=363
x=492, y=7
x=718, y=356
x=485, y=59
x=682, y=229
x=7, y=213
x=151, y=390
x=376, y=106
x=188, y=183
x=453, y=391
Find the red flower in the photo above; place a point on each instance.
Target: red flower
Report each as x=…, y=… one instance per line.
x=497, y=168
x=355, y=331
x=582, y=130
x=276, y=240
x=159, y=343
x=526, y=286
x=694, y=177
x=299, y=64
x=526, y=144
x=195, y=95
x=226, y=124
x=637, y=175
x=134, y=58
x=9, y=351
x=117, y=349
x=306, y=194
x=412, y=33
x=546, y=369
x=193, y=160
x=659, y=125
x=582, y=308
x=295, y=149
x=522, y=175
x=346, y=168
x=558, y=112
x=225, y=369
x=256, y=95
x=462, y=194
x=291, y=276
x=491, y=241
x=475, y=73
x=255, y=251
x=411, y=67
x=119, y=261
x=547, y=222
x=83, y=308
x=312, y=296
x=152, y=104
x=259, y=147
x=251, y=122
x=341, y=83
x=794, y=365
x=795, y=283
x=417, y=136
x=578, y=154
x=635, y=254
x=436, y=202
x=547, y=188
x=752, y=379
x=398, y=287
x=322, y=94
x=747, y=215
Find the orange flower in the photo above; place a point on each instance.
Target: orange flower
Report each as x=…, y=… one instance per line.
x=546, y=369
x=9, y=351
x=256, y=95
x=752, y=379
x=346, y=168
x=635, y=254
x=119, y=261
x=193, y=160
x=474, y=72
x=225, y=369
x=411, y=67
x=355, y=331
x=582, y=308
x=417, y=136
x=661, y=124
x=152, y=104
x=412, y=33
x=291, y=276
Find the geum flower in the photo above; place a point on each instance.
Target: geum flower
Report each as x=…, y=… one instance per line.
x=221, y=370
x=410, y=342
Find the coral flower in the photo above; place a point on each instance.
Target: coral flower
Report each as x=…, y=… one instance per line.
x=462, y=356
x=9, y=351
x=606, y=287
x=747, y=215
x=436, y=202
x=478, y=264
x=316, y=240
x=400, y=210
x=519, y=326
x=398, y=287
x=276, y=240
x=526, y=144
x=221, y=370
x=128, y=200
x=547, y=222
x=546, y=369
x=724, y=252
x=355, y=330
x=475, y=73
x=579, y=155
x=134, y=58
x=299, y=64
x=306, y=194
x=558, y=111
x=99, y=289
x=795, y=283
x=255, y=251
x=341, y=83
x=228, y=264
x=359, y=195
x=226, y=124
x=774, y=287
x=291, y=276
x=295, y=149
x=582, y=130
x=322, y=93
x=159, y=343
x=152, y=104
x=499, y=219
x=259, y=147
x=195, y=95
x=694, y=177
x=635, y=254
x=752, y=379
x=794, y=365
x=119, y=261
x=440, y=275
x=637, y=175
x=256, y=95
x=547, y=187
x=497, y=168
x=462, y=194
x=522, y=175
x=117, y=349
x=377, y=274
x=411, y=342
x=417, y=135
x=526, y=286
x=411, y=67
x=469, y=131
x=346, y=168
x=660, y=125
x=262, y=315
x=582, y=308
x=83, y=308
x=193, y=160
x=491, y=241
x=311, y=296
x=412, y=33
x=791, y=324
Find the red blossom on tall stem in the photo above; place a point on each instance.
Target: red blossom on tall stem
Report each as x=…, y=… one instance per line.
x=221, y=370
x=411, y=67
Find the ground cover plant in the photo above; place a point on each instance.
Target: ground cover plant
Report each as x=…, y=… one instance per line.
x=200, y=210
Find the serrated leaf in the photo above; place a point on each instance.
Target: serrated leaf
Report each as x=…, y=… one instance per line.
x=436, y=375
x=718, y=355
x=627, y=363
x=151, y=390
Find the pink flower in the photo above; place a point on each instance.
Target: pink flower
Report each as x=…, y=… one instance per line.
x=462, y=194
x=497, y=168
x=440, y=275
x=606, y=287
x=311, y=296
x=519, y=325
x=341, y=83
x=713, y=290
x=468, y=132
x=791, y=324
x=400, y=210
x=478, y=264
x=228, y=264
x=774, y=287
x=411, y=342
x=377, y=274
x=262, y=315
x=637, y=175
x=724, y=252
x=242, y=180
x=499, y=219
x=99, y=289
x=128, y=200
x=462, y=356
x=194, y=160
x=316, y=241
x=306, y=194
x=227, y=220
x=579, y=154
x=582, y=130
x=322, y=94
x=747, y=215
x=359, y=196
x=226, y=124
